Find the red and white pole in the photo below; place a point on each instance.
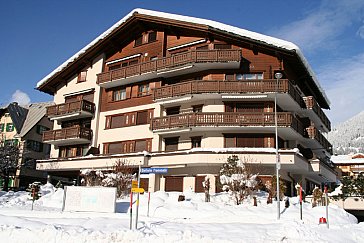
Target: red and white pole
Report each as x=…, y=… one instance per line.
x=301, y=202
x=131, y=210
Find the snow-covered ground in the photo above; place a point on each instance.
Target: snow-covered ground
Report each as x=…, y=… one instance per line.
x=192, y=220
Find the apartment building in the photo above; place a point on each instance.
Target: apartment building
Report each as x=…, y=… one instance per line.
x=183, y=93
x=23, y=126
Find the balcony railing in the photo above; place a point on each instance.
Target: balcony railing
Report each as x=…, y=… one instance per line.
x=226, y=119
x=312, y=104
x=180, y=59
x=72, y=107
x=67, y=133
x=313, y=133
x=229, y=87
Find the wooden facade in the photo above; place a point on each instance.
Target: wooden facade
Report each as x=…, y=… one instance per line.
x=173, y=85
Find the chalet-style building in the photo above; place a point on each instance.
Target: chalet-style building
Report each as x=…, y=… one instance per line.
x=23, y=125
x=190, y=92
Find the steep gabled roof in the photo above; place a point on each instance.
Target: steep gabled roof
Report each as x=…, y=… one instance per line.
x=36, y=111
x=18, y=115
x=209, y=25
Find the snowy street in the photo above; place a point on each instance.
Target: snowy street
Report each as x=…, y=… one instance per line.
x=192, y=220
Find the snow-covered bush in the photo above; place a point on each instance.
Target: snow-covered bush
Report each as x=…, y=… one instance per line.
x=236, y=178
x=120, y=176
x=316, y=197
x=206, y=187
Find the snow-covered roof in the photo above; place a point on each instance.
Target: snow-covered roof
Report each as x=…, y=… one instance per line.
x=346, y=160
x=212, y=24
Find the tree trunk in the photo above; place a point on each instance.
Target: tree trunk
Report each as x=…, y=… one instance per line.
x=6, y=182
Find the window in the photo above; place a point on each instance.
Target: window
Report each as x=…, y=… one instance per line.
x=73, y=151
x=113, y=67
x=244, y=107
x=119, y=94
x=41, y=129
x=143, y=89
x=171, y=144
x=9, y=127
x=140, y=145
x=138, y=41
x=250, y=76
x=172, y=110
x=222, y=46
x=197, y=108
x=196, y=142
x=130, y=146
x=245, y=140
x=82, y=77
x=34, y=145
x=152, y=36
x=205, y=47
x=11, y=142
x=2, y=126
x=142, y=118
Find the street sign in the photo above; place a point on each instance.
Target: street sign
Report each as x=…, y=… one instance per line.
x=137, y=190
x=134, y=184
x=154, y=170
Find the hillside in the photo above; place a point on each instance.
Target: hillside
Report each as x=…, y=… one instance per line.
x=348, y=136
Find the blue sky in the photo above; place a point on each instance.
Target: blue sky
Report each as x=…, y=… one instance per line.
x=37, y=36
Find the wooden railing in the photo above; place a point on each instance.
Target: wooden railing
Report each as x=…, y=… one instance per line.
x=67, y=133
x=313, y=133
x=312, y=104
x=284, y=119
x=66, y=108
x=229, y=87
x=194, y=56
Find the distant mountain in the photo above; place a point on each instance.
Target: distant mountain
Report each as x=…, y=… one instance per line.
x=348, y=136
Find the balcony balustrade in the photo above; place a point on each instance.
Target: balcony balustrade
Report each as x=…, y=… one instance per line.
x=312, y=104
x=176, y=60
x=70, y=135
x=226, y=119
x=314, y=133
x=228, y=87
x=83, y=107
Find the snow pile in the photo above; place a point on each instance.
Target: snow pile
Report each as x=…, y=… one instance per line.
x=192, y=220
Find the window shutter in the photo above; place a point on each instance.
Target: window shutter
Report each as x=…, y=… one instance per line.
x=108, y=122
x=109, y=94
x=128, y=92
x=140, y=145
x=150, y=115
x=134, y=91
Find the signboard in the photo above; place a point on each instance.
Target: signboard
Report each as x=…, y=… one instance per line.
x=154, y=170
x=89, y=199
x=137, y=190
x=134, y=184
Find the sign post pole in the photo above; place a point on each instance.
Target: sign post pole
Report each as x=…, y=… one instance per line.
x=327, y=207
x=131, y=209
x=301, y=202
x=137, y=201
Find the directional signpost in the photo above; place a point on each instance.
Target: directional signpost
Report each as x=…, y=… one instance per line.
x=154, y=170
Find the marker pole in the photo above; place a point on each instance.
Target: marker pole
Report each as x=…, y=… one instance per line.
x=131, y=209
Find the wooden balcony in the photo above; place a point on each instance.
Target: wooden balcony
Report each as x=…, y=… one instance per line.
x=226, y=119
x=77, y=109
x=68, y=136
x=169, y=64
x=311, y=104
x=228, y=87
x=314, y=133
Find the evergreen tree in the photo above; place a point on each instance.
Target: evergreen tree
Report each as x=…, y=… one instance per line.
x=9, y=161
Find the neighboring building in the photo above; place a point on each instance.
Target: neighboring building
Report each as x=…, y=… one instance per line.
x=191, y=92
x=24, y=126
x=351, y=165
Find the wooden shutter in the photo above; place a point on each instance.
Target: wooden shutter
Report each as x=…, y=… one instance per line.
x=108, y=122
x=128, y=92
x=134, y=91
x=142, y=117
x=230, y=141
x=114, y=148
x=140, y=145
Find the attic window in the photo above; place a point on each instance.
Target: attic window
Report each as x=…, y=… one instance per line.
x=152, y=36
x=82, y=77
x=138, y=41
x=222, y=46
